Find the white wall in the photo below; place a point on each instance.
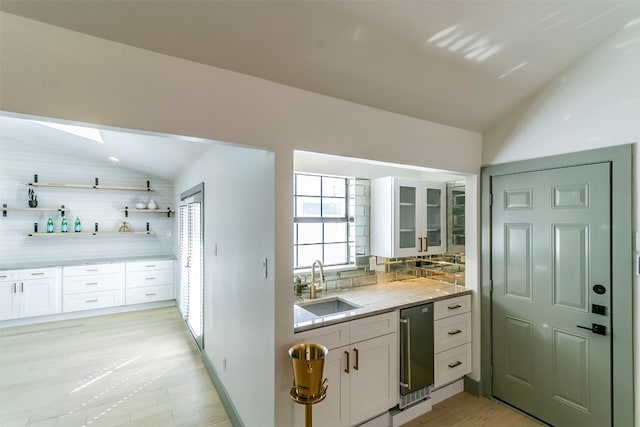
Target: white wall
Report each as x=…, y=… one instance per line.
x=51, y=72
x=20, y=160
x=238, y=235
x=594, y=104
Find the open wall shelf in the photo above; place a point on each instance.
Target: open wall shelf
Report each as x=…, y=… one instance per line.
x=96, y=185
x=90, y=233
x=167, y=211
x=5, y=209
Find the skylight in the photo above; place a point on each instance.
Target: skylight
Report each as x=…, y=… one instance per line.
x=83, y=132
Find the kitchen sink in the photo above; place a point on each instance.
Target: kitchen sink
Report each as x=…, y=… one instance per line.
x=328, y=306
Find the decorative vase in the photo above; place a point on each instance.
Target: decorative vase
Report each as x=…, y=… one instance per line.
x=33, y=203
x=141, y=205
x=152, y=204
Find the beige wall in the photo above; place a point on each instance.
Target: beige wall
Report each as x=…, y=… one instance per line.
x=51, y=72
x=593, y=104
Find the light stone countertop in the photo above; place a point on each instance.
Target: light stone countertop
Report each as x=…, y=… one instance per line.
x=374, y=299
x=67, y=263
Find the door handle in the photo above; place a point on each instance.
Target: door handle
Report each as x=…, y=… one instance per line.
x=407, y=382
x=420, y=244
x=595, y=328
x=357, y=359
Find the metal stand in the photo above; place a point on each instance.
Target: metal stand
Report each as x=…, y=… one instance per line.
x=309, y=401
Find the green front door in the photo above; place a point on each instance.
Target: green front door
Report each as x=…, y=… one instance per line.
x=551, y=258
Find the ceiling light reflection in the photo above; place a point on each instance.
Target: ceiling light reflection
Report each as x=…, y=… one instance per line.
x=437, y=36
x=471, y=45
x=511, y=70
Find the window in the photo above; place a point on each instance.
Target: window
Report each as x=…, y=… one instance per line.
x=323, y=220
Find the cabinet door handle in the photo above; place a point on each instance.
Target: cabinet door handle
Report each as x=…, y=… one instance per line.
x=15, y=288
x=347, y=368
x=150, y=294
x=91, y=300
x=357, y=359
x=91, y=283
x=419, y=244
x=149, y=278
x=22, y=287
x=453, y=307
x=38, y=274
x=453, y=365
x=456, y=332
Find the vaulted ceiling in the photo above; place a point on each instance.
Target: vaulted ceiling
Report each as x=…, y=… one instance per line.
x=461, y=63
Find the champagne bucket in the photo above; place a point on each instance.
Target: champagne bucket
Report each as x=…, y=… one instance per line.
x=308, y=363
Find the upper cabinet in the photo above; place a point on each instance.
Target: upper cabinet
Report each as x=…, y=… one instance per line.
x=407, y=217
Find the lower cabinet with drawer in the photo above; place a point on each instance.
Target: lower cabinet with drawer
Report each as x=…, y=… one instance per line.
x=361, y=368
x=452, y=339
x=93, y=286
x=30, y=292
x=149, y=281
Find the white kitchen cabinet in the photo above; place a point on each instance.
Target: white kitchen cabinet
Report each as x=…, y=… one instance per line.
x=88, y=287
x=149, y=281
x=407, y=217
x=31, y=292
x=362, y=376
x=452, y=339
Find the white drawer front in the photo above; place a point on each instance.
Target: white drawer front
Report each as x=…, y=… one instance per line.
x=38, y=273
x=452, y=364
x=94, y=283
x=332, y=336
x=451, y=332
x=90, y=269
x=373, y=326
x=91, y=300
x=9, y=275
x=150, y=265
x=149, y=294
x=451, y=306
x=149, y=278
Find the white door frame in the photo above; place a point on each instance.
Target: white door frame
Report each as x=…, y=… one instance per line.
x=621, y=267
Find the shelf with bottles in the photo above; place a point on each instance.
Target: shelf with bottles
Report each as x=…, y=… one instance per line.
x=125, y=230
x=6, y=209
x=96, y=185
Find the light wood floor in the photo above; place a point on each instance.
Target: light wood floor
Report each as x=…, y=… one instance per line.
x=465, y=410
x=137, y=369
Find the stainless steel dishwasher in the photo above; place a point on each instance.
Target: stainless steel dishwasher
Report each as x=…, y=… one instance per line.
x=416, y=353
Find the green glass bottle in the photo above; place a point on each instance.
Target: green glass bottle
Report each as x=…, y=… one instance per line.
x=50, y=225
x=76, y=226
x=64, y=227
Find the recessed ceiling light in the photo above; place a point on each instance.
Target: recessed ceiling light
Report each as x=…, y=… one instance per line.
x=114, y=159
x=83, y=132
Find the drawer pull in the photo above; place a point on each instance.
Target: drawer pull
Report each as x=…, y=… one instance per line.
x=37, y=274
x=91, y=269
x=4, y=276
x=91, y=300
x=149, y=278
x=453, y=307
x=150, y=294
x=453, y=365
x=150, y=266
x=91, y=283
x=456, y=332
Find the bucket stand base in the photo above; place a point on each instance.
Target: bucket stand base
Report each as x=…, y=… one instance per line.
x=308, y=402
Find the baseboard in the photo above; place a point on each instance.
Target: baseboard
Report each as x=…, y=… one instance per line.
x=472, y=386
x=86, y=313
x=232, y=413
x=450, y=390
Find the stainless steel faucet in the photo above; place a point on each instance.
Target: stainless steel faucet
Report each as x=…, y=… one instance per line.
x=313, y=289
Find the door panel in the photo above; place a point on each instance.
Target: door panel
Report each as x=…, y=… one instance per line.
x=550, y=245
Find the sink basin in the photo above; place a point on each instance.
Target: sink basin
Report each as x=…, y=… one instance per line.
x=328, y=306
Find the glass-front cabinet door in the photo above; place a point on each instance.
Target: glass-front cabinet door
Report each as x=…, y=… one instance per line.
x=407, y=217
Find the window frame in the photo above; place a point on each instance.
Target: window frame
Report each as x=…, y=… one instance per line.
x=348, y=219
